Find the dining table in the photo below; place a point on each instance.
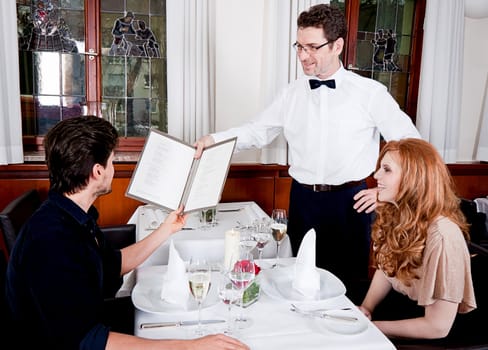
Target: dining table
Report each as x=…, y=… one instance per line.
x=199, y=240
x=274, y=324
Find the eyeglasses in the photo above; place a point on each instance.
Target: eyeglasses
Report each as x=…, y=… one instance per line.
x=310, y=49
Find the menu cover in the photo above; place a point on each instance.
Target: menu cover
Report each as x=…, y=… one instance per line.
x=168, y=175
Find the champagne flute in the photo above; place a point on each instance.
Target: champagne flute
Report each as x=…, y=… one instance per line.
x=229, y=294
x=241, y=275
x=199, y=278
x=278, y=229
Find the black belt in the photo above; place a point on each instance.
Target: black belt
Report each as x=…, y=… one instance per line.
x=327, y=188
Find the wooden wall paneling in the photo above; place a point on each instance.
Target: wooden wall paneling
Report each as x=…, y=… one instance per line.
x=242, y=189
x=471, y=180
x=471, y=187
x=267, y=185
x=282, y=192
x=252, y=182
x=10, y=189
x=116, y=208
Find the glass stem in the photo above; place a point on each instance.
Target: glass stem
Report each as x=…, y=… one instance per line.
x=277, y=252
x=199, y=316
x=241, y=312
x=229, y=316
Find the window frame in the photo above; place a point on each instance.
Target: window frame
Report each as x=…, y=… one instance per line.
x=352, y=17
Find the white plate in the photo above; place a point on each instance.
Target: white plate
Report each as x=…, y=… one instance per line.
x=146, y=295
x=340, y=326
x=277, y=283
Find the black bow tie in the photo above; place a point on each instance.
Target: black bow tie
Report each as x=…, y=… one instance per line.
x=314, y=83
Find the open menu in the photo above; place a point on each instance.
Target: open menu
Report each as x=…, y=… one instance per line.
x=168, y=175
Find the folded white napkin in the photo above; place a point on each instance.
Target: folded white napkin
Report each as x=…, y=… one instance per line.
x=307, y=278
x=175, y=288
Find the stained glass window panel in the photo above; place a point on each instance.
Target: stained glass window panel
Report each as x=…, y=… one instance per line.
x=134, y=65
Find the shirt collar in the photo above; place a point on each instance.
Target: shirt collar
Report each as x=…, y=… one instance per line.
x=338, y=76
x=72, y=209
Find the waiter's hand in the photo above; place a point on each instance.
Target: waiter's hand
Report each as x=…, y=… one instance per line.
x=202, y=143
x=366, y=200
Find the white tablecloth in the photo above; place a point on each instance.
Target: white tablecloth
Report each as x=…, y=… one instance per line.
x=199, y=242
x=274, y=325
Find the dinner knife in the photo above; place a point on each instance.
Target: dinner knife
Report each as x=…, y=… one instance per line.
x=154, y=228
x=337, y=317
x=177, y=323
x=325, y=315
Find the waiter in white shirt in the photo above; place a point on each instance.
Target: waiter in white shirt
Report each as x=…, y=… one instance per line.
x=332, y=120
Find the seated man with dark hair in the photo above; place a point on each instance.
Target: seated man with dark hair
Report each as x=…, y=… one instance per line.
x=62, y=267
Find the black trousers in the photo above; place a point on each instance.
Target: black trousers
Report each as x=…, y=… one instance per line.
x=343, y=234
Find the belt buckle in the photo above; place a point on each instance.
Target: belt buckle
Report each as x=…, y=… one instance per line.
x=322, y=188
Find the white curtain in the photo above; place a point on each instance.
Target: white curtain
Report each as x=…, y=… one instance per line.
x=10, y=120
x=279, y=62
x=191, y=68
x=481, y=152
x=440, y=90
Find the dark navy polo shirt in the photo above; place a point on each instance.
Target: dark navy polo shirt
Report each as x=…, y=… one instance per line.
x=60, y=270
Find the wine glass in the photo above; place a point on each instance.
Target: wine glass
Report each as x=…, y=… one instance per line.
x=261, y=235
x=208, y=218
x=278, y=229
x=247, y=243
x=199, y=278
x=229, y=295
x=241, y=275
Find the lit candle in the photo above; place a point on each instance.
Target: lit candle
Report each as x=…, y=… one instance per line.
x=231, y=246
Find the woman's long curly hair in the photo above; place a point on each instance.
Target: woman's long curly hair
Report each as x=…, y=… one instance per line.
x=425, y=193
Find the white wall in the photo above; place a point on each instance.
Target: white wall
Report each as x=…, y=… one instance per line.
x=474, y=83
x=238, y=65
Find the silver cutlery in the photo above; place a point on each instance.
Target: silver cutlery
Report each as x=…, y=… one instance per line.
x=177, y=323
x=324, y=314
x=319, y=310
x=152, y=228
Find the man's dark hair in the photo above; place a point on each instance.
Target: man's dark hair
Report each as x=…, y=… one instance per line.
x=73, y=146
x=329, y=18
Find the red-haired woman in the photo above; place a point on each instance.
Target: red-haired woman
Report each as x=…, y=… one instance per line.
x=419, y=243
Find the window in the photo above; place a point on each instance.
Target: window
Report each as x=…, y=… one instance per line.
x=384, y=43
x=105, y=58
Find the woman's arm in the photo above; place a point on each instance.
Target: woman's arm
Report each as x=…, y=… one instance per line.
x=377, y=291
x=436, y=323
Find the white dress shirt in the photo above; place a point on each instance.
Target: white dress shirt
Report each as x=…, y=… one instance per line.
x=333, y=134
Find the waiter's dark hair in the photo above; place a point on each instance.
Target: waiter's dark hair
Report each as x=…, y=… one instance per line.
x=329, y=18
x=73, y=146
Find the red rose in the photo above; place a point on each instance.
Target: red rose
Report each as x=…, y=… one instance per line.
x=244, y=263
x=256, y=269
